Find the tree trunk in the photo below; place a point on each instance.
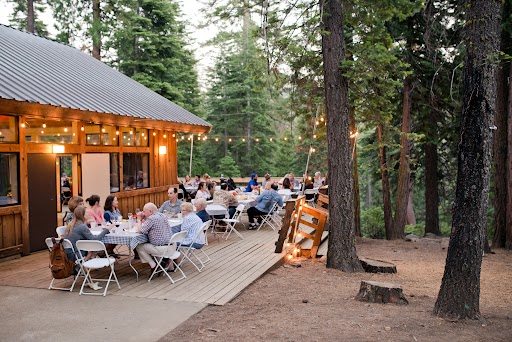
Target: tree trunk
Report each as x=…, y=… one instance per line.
x=30, y=16
x=411, y=217
x=404, y=171
x=386, y=193
x=96, y=29
x=369, y=199
x=500, y=141
x=459, y=295
x=342, y=250
x=508, y=241
x=431, y=190
x=357, y=199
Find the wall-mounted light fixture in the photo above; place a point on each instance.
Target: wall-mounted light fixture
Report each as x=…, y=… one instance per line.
x=57, y=149
x=162, y=150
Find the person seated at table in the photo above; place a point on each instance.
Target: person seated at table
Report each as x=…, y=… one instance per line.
x=111, y=210
x=73, y=202
x=287, y=185
x=78, y=230
x=192, y=224
x=309, y=185
x=318, y=180
x=200, y=205
x=225, y=198
x=281, y=181
x=94, y=212
x=131, y=184
x=155, y=225
x=266, y=181
x=253, y=183
x=188, y=181
x=172, y=206
x=202, y=191
x=196, y=181
x=295, y=182
x=265, y=203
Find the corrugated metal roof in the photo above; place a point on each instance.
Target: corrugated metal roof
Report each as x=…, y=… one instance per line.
x=35, y=69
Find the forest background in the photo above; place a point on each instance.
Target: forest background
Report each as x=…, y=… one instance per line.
x=263, y=91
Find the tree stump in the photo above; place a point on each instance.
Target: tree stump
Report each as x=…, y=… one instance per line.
x=377, y=266
x=377, y=292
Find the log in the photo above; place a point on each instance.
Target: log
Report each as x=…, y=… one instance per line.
x=377, y=266
x=377, y=292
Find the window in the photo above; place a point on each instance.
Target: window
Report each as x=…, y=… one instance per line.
x=135, y=170
x=8, y=129
x=51, y=131
x=100, y=135
x=135, y=137
x=114, y=172
x=9, y=191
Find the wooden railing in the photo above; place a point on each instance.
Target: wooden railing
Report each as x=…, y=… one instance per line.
x=131, y=200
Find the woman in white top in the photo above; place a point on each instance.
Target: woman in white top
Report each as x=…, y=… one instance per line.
x=202, y=191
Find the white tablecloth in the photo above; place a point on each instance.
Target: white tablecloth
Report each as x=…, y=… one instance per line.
x=216, y=209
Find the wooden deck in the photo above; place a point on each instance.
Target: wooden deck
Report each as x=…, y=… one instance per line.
x=234, y=265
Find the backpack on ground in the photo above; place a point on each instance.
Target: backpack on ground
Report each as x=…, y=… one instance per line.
x=60, y=265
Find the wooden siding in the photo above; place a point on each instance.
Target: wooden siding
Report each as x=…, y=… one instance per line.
x=11, y=240
x=162, y=167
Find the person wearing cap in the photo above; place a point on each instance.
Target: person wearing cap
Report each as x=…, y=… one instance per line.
x=253, y=183
x=265, y=181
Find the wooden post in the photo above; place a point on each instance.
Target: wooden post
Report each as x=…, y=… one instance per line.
x=25, y=233
x=285, y=227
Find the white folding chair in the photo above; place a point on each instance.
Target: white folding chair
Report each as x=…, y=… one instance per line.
x=285, y=194
x=268, y=218
x=190, y=251
x=231, y=223
x=66, y=244
x=171, y=252
x=61, y=231
x=96, y=263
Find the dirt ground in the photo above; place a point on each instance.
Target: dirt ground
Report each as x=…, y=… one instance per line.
x=313, y=303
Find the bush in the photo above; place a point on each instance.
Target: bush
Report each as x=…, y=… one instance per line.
x=372, y=223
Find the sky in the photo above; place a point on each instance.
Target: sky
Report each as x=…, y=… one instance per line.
x=192, y=17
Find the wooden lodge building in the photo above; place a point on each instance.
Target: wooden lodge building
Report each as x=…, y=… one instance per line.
x=60, y=107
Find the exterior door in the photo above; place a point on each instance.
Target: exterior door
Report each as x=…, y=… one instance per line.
x=42, y=199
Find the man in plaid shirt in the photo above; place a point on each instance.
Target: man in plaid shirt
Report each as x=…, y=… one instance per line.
x=156, y=227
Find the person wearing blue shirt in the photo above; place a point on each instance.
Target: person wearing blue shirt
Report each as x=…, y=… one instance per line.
x=265, y=203
x=253, y=183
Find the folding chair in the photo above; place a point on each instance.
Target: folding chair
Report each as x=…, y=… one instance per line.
x=171, y=252
x=96, y=263
x=268, y=218
x=190, y=251
x=310, y=201
x=66, y=194
x=231, y=223
x=66, y=244
x=61, y=231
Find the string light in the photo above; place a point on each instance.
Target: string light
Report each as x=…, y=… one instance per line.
x=182, y=137
x=270, y=139
x=173, y=135
x=44, y=124
x=103, y=130
x=229, y=139
x=42, y=132
x=257, y=140
x=117, y=132
x=82, y=128
x=322, y=119
x=300, y=138
x=65, y=129
x=165, y=136
x=285, y=138
x=131, y=131
x=216, y=139
x=154, y=133
x=243, y=139
x=23, y=125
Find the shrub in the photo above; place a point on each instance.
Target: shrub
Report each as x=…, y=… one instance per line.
x=372, y=223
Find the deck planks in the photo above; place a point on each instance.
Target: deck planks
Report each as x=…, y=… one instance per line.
x=234, y=265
